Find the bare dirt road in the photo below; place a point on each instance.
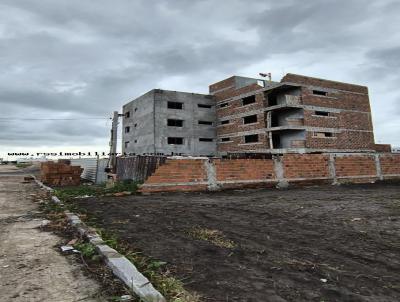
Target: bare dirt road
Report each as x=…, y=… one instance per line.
x=31, y=268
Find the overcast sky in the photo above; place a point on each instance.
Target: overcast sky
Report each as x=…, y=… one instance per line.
x=84, y=59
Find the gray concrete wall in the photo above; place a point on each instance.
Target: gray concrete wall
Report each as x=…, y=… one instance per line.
x=191, y=130
x=152, y=130
x=143, y=117
x=287, y=136
x=283, y=115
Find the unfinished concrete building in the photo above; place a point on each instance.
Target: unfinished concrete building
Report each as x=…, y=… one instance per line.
x=245, y=115
x=170, y=123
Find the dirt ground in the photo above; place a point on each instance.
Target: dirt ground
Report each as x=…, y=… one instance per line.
x=31, y=267
x=333, y=243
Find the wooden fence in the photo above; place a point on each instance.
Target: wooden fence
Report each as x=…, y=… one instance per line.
x=138, y=168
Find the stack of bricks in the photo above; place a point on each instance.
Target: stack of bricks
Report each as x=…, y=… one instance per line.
x=60, y=174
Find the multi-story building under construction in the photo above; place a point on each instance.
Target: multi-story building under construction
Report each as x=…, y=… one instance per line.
x=245, y=115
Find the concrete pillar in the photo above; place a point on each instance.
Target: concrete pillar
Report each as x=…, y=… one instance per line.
x=280, y=172
x=332, y=169
x=212, y=184
x=378, y=166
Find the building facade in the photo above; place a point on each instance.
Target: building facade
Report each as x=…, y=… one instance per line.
x=298, y=114
x=170, y=123
x=245, y=115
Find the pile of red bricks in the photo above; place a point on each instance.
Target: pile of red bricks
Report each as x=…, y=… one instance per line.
x=60, y=174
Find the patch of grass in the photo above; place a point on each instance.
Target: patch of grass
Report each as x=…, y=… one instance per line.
x=23, y=165
x=123, y=186
x=87, y=249
x=65, y=194
x=216, y=237
x=155, y=270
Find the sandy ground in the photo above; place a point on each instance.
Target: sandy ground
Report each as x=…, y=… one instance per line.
x=330, y=244
x=31, y=268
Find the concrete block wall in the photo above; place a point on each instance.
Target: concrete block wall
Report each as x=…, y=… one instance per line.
x=202, y=174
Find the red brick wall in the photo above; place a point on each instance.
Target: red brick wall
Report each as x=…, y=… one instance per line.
x=355, y=165
x=306, y=166
x=299, y=79
x=244, y=169
x=383, y=148
x=390, y=164
x=179, y=170
x=240, y=173
x=222, y=84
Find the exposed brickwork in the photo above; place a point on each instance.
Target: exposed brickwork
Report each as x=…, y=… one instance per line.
x=383, y=148
x=179, y=170
x=300, y=169
x=303, y=80
x=244, y=169
x=351, y=119
x=390, y=164
x=222, y=84
x=355, y=165
x=312, y=120
x=60, y=174
x=305, y=166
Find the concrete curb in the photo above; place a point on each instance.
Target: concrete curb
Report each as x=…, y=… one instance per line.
x=119, y=264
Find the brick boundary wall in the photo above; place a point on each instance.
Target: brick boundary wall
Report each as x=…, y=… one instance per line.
x=204, y=174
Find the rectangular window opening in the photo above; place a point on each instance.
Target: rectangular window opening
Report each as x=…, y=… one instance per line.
x=204, y=106
x=205, y=139
x=223, y=105
x=205, y=123
x=126, y=144
x=127, y=114
x=251, y=138
x=175, y=123
x=225, y=122
x=319, y=92
x=175, y=140
x=127, y=129
x=175, y=105
x=250, y=119
x=225, y=139
x=249, y=100
x=323, y=134
x=322, y=113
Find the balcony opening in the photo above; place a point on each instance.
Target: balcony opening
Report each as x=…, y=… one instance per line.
x=249, y=100
x=276, y=141
x=205, y=123
x=272, y=99
x=250, y=119
x=175, y=140
x=274, y=120
x=175, y=123
x=175, y=105
x=319, y=92
x=251, y=139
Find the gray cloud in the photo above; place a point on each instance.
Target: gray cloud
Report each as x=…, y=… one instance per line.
x=79, y=59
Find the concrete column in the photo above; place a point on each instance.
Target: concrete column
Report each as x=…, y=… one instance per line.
x=332, y=169
x=378, y=167
x=212, y=184
x=280, y=172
